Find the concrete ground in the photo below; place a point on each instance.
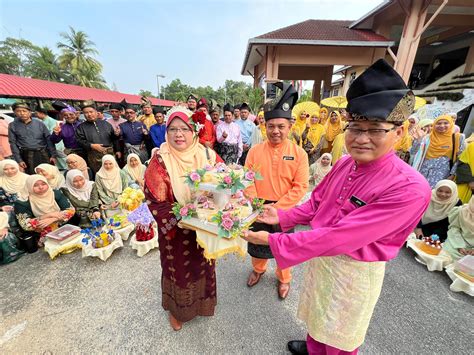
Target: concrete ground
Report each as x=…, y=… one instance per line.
x=88, y=306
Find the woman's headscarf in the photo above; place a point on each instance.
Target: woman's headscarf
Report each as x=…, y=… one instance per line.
x=438, y=209
x=405, y=142
x=323, y=109
x=84, y=193
x=41, y=204
x=4, y=217
x=425, y=122
x=56, y=179
x=338, y=147
x=466, y=215
x=81, y=164
x=179, y=163
x=111, y=179
x=315, y=132
x=321, y=170
x=263, y=128
x=136, y=173
x=441, y=144
x=15, y=184
x=333, y=129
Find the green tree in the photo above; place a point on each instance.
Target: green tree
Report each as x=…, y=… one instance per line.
x=77, y=57
x=15, y=55
x=146, y=93
x=43, y=64
x=177, y=91
x=306, y=95
x=255, y=98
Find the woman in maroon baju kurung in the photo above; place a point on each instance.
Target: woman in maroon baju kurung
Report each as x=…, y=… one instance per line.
x=188, y=280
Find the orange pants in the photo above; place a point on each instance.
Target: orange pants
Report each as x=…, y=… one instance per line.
x=260, y=266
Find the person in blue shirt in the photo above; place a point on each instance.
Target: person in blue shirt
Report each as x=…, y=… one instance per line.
x=134, y=134
x=158, y=130
x=247, y=128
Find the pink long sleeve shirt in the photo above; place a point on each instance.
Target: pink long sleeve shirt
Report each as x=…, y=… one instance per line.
x=395, y=197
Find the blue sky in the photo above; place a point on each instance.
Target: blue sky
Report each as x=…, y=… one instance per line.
x=200, y=42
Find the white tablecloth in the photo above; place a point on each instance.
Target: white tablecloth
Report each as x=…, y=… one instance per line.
x=125, y=231
x=102, y=253
x=460, y=284
x=433, y=262
x=54, y=249
x=144, y=247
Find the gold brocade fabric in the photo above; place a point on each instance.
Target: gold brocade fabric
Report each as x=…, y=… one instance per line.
x=338, y=298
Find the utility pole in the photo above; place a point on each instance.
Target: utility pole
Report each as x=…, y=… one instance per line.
x=158, y=76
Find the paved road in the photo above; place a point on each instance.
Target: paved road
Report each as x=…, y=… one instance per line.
x=85, y=305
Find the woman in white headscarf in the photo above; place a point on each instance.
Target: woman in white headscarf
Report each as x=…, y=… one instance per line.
x=135, y=170
x=45, y=210
x=83, y=196
x=52, y=174
x=110, y=181
x=320, y=169
x=12, y=182
x=444, y=197
x=460, y=240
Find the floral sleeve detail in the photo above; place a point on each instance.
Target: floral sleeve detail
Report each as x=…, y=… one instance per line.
x=68, y=213
x=26, y=222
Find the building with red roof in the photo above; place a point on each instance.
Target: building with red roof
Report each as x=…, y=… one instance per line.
x=12, y=86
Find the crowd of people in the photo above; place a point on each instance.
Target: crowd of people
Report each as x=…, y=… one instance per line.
x=72, y=169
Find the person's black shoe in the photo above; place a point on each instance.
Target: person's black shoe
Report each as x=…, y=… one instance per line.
x=298, y=347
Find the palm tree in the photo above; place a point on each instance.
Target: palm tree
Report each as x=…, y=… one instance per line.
x=43, y=64
x=77, y=53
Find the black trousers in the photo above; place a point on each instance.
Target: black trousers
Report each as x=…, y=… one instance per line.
x=33, y=158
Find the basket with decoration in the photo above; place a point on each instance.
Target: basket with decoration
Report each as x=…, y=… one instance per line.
x=100, y=240
x=220, y=211
x=131, y=198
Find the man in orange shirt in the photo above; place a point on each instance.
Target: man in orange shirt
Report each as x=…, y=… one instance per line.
x=285, y=171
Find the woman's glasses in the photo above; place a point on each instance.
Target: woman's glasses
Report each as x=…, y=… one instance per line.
x=174, y=130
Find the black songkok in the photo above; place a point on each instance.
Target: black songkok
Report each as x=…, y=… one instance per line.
x=281, y=106
x=380, y=94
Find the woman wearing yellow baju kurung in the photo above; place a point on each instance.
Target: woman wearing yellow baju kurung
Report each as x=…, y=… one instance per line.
x=403, y=146
x=465, y=172
x=323, y=115
x=338, y=147
x=312, y=138
x=298, y=127
x=333, y=127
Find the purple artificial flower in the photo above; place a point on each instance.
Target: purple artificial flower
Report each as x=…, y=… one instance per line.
x=250, y=175
x=184, y=211
x=227, y=224
x=227, y=180
x=195, y=177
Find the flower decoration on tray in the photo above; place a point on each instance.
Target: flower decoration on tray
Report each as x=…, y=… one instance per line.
x=131, y=198
x=257, y=204
x=194, y=178
x=225, y=177
x=143, y=220
x=229, y=224
x=183, y=211
x=101, y=234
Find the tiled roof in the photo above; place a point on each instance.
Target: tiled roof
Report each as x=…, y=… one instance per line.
x=20, y=87
x=323, y=30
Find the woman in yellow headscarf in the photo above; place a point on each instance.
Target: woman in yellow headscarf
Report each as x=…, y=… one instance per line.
x=338, y=147
x=323, y=115
x=402, y=147
x=298, y=127
x=438, y=152
x=465, y=172
x=333, y=127
x=312, y=138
